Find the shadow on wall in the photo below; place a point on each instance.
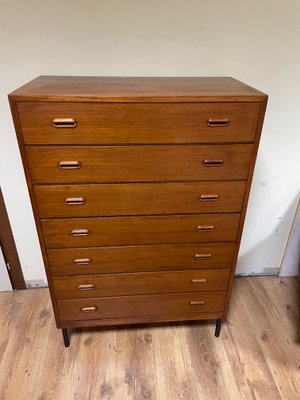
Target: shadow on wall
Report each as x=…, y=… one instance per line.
x=262, y=250
x=290, y=260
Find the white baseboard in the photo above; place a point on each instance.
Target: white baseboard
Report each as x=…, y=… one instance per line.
x=257, y=271
x=35, y=284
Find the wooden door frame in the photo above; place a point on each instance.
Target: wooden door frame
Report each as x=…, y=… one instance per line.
x=9, y=249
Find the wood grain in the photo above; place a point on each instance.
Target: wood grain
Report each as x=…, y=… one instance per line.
x=138, y=164
x=144, y=305
x=246, y=194
x=139, y=199
x=107, y=123
x=139, y=258
x=108, y=285
x=273, y=310
x=13, y=107
x=175, y=106
x=113, y=231
x=136, y=89
x=166, y=361
x=8, y=247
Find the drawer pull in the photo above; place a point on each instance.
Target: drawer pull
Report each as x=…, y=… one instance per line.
x=218, y=122
x=75, y=201
x=64, y=123
x=208, y=197
x=197, y=302
x=205, y=228
x=88, y=286
x=202, y=256
x=82, y=261
x=69, y=164
x=88, y=309
x=80, y=232
x=201, y=280
x=213, y=163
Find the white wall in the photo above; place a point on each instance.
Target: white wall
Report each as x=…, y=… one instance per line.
x=255, y=41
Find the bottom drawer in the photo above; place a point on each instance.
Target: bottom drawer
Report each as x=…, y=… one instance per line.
x=140, y=306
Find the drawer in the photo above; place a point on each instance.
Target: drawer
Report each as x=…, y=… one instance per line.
x=139, y=163
x=105, y=123
x=111, y=231
x=140, y=306
x=139, y=199
x=108, y=285
x=140, y=258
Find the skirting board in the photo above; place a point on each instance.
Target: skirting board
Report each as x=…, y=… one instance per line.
x=257, y=271
x=35, y=284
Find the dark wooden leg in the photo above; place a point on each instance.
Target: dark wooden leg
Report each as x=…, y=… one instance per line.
x=66, y=337
x=218, y=327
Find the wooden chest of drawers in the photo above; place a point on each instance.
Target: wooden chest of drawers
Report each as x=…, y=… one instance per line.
x=139, y=188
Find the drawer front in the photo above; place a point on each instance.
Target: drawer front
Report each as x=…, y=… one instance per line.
x=140, y=258
x=139, y=164
x=112, y=231
x=104, y=123
x=140, y=306
x=108, y=285
x=139, y=199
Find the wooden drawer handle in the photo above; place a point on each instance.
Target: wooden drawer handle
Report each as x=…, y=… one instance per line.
x=69, y=164
x=213, y=163
x=82, y=261
x=80, y=232
x=202, y=256
x=218, y=122
x=205, y=228
x=197, y=302
x=64, y=123
x=88, y=286
x=88, y=309
x=75, y=201
x=201, y=280
x=208, y=197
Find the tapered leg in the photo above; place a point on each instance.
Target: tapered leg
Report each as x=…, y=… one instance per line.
x=66, y=337
x=218, y=327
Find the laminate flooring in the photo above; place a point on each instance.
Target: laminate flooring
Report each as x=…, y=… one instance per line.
x=257, y=355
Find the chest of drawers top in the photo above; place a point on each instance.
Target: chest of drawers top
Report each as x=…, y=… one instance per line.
x=136, y=89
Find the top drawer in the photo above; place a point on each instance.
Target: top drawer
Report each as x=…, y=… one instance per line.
x=129, y=123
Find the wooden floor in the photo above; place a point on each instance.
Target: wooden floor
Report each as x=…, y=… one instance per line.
x=257, y=355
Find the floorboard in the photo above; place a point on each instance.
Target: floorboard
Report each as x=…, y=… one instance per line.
x=257, y=355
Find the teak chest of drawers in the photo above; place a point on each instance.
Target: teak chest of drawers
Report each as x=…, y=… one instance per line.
x=139, y=188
